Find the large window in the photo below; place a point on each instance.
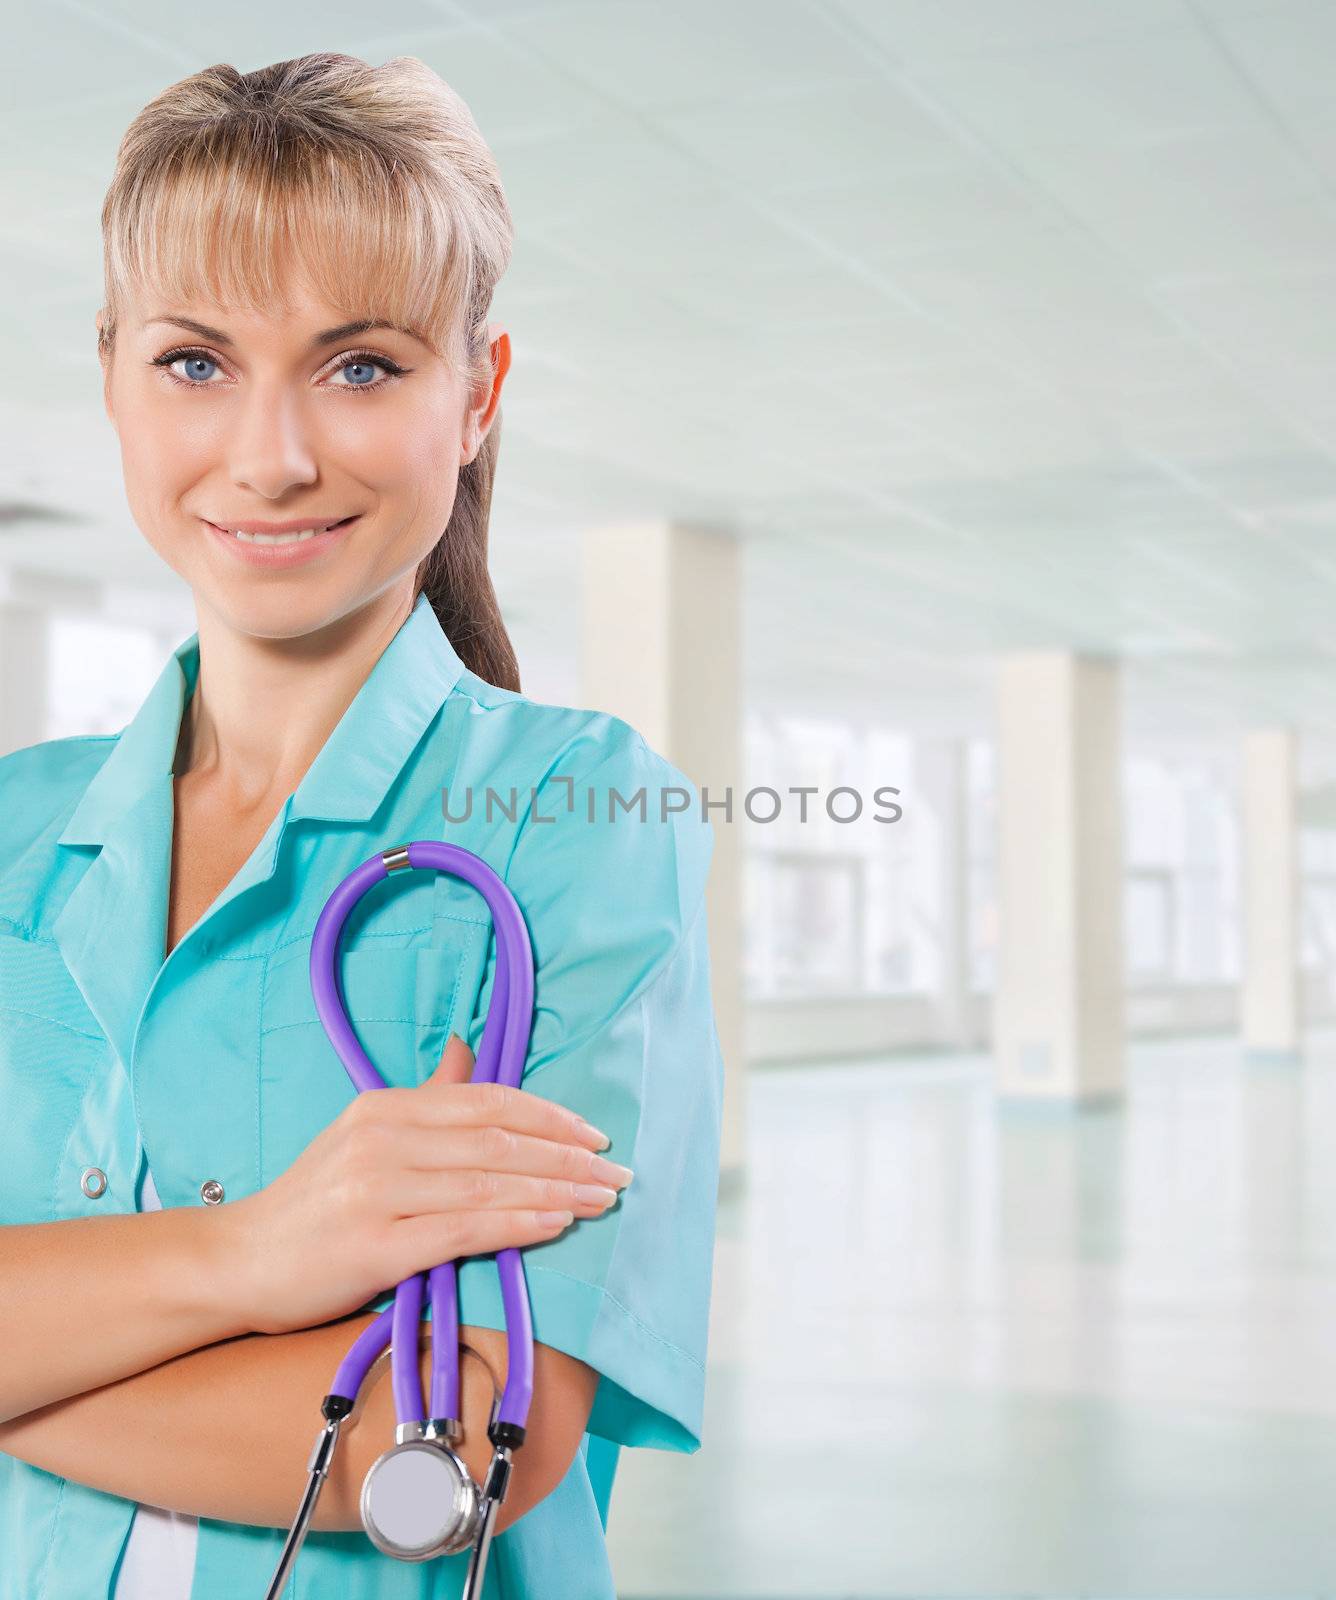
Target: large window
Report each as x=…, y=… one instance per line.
x=1181, y=898
x=1180, y=909
x=1317, y=864
x=829, y=899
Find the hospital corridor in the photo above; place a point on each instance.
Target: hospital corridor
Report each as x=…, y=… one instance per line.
x=1042, y=1353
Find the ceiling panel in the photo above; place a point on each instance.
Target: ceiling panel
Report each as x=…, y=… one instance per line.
x=987, y=324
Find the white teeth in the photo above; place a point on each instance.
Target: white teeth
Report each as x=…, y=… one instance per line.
x=277, y=538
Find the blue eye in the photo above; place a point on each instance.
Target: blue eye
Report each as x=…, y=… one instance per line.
x=195, y=361
x=362, y=362
x=366, y=367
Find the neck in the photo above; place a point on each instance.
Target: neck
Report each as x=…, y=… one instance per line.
x=263, y=708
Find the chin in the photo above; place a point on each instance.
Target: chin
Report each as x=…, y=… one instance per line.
x=271, y=610
x=287, y=610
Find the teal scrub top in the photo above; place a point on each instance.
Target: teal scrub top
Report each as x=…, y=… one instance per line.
x=212, y=1064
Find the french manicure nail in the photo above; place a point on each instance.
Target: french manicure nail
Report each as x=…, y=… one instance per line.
x=611, y=1173
x=593, y=1136
x=594, y=1194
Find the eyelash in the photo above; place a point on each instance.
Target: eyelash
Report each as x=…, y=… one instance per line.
x=367, y=357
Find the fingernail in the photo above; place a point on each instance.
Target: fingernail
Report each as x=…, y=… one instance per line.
x=616, y=1175
x=555, y=1219
x=594, y=1194
x=594, y=1137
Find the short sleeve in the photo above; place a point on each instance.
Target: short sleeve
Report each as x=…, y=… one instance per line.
x=613, y=891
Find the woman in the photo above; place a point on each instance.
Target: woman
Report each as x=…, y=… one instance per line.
x=271, y=238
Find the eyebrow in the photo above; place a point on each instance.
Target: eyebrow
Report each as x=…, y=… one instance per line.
x=346, y=330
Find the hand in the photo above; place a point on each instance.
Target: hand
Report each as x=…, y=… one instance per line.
x=404, y=1179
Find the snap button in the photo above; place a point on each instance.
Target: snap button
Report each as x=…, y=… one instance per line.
x=93, y=1182
x=211, y=1192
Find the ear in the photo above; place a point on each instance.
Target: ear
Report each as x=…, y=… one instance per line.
x=481, y=420
x=104, y=357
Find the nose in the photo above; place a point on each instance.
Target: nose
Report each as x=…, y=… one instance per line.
x=270, y=449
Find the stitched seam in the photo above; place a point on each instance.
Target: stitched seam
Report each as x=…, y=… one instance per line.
x=259, y=1076
x=51, y=1022
x=314, y=1022
x=431, y=1022
x=625, y=1311
x=390, y=933
x=55, y=1532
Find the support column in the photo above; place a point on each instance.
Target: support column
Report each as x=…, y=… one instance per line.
x=1269, y=999
x=660, y=647
x=1058, y=1013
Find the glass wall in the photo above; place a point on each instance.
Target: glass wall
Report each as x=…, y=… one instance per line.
x=1317, y=864
x=1181, y=897
x=827, y=901
x=829, y=898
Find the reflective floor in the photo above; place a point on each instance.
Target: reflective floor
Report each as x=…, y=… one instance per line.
x=963, y=1349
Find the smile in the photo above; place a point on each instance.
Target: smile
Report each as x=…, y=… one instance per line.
x=252, y=534
x=278, y=545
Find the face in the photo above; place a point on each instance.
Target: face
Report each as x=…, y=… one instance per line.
x=262, y=424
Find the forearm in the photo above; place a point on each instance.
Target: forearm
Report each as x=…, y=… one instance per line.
x=91, y=1300
x=225, y=1432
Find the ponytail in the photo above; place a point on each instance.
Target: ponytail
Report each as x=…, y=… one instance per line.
x=455, y=579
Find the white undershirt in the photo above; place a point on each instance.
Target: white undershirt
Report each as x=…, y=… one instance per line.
x=159, y=1560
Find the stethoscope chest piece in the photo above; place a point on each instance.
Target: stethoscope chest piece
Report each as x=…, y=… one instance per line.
x=419, y=1502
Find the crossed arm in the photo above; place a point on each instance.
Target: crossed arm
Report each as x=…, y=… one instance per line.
x=224, y=1431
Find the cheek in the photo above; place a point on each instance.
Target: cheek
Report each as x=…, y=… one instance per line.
x=408, y=453
x=163, y=452
x=394, y=433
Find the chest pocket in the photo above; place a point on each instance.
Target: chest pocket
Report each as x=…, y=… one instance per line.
x=403, y=996
x=65, y=1098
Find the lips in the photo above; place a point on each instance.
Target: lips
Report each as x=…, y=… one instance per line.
x=278, y=550
x=278, y=530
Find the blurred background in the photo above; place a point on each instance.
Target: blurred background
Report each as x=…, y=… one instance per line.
x=944, y=390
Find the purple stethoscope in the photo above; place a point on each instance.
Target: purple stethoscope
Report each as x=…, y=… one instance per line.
x=418, y=1499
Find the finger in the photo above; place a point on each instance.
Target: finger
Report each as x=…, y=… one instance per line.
x=456, y=1063
x=480, y=1105
x=418, y=1243
x=424, y=1149
x=417, y=1193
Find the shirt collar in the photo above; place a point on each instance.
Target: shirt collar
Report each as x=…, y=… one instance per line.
x=350, y=775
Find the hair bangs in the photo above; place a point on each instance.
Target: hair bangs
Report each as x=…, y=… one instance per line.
x=246, y=234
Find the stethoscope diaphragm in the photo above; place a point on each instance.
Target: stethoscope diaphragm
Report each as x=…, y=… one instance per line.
x=418, y=1501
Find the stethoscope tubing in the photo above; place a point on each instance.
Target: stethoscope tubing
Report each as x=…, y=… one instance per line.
x=501, y=1057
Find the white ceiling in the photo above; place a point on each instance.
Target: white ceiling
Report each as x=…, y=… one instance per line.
x=986, y=324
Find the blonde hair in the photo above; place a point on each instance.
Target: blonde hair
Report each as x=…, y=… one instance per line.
x=378, y=182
